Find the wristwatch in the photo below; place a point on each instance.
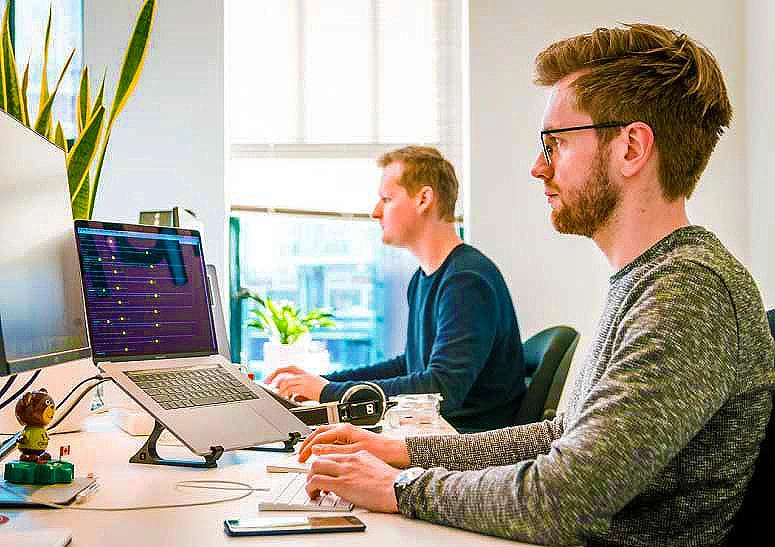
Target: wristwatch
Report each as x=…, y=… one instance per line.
x=404, y=479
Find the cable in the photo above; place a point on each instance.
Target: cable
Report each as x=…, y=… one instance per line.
x=79, y=384
x=78, y=400
x=7, y=385
x=21, y=390
x=246, y=488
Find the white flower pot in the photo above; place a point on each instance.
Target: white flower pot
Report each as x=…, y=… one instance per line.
x=281, y=355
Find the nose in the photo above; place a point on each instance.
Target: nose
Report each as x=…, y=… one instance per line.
x=377, y=212
x=541, y=170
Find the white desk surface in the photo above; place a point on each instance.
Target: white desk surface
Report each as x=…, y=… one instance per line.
x=105, y=450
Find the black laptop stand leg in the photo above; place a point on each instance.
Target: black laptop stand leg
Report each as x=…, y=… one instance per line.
x=287, y=447
x=149, y=455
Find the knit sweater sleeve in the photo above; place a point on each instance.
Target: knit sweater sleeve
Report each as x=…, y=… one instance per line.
x=671, y=369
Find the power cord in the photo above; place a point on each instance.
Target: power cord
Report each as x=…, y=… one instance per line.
x=8, y=383
x=246, y=490
x=21, y=390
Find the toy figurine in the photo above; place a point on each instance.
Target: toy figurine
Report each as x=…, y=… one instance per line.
x=34, y=410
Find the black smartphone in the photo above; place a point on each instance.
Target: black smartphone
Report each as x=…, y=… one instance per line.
x=275, y=526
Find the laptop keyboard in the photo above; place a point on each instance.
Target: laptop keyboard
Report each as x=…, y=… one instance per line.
x=292, y=496
x=189, y=387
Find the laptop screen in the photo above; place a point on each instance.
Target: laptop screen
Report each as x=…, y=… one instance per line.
x=145, y=291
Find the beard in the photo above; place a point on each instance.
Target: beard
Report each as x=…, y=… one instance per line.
x=583, y=212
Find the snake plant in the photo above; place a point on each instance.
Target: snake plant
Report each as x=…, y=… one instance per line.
x=94, y=120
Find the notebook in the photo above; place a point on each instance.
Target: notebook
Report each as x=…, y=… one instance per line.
x=151, y=330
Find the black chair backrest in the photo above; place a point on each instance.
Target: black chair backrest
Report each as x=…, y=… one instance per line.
x=548, y=356
x=753, y=520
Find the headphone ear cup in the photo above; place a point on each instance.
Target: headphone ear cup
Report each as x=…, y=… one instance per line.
x=367, y=401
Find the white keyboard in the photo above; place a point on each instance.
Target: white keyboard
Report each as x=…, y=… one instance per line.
x=290, y=495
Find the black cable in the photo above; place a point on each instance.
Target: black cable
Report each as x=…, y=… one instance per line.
x=21, y=390
x=78, y=400
x=7, y=385
x=79, y=384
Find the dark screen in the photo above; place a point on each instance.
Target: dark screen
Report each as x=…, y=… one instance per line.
x=145, y=290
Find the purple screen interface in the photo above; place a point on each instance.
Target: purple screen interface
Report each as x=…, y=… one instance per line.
x=146, y=293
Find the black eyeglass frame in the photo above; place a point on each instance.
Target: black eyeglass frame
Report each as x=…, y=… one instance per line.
x=604, y=125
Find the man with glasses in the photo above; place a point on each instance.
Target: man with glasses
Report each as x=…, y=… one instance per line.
x=665, y=417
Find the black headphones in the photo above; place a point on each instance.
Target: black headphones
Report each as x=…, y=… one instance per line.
x=362, y=404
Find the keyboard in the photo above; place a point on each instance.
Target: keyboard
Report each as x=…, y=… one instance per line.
x=290, y=495
x=191, y=386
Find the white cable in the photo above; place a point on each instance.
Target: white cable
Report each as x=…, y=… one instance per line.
x=246, y=488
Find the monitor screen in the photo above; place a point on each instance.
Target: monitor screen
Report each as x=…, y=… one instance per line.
x=42, y=318
x=146, y=291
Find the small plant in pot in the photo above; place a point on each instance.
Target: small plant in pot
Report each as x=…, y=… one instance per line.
x=288, y=329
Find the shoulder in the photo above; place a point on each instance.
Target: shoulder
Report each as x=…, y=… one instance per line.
x=468, y=259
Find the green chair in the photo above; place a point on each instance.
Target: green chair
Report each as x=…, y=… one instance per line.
x=548, y=356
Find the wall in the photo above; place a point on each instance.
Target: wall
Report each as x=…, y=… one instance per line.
x=562, y=279
x=760, y=119
x=167, y=147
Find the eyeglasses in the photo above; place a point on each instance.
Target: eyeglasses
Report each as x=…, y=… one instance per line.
x=547, y=147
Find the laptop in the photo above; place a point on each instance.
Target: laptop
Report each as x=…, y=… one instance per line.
x=151, y=330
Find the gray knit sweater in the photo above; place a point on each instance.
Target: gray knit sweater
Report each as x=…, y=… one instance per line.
x=662, y=428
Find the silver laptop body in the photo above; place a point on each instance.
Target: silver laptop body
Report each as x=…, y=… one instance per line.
x=150, y=318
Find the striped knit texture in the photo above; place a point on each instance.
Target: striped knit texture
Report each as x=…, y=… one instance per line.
x=662, y=427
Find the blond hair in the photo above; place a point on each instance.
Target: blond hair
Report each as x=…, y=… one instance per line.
x=654, y=75
x=425, y=166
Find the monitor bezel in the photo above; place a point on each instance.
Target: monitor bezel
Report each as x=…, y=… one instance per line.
x=145, y=228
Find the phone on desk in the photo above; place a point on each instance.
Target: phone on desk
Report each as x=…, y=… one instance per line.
x=274, y=526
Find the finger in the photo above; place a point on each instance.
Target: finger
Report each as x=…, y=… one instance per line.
x=304, y=452
x=326, y=466
x=324, y=435
x=334, y=449
x=320, y=483
x=282, y=370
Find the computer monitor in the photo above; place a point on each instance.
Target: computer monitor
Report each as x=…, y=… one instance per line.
x=42, y=318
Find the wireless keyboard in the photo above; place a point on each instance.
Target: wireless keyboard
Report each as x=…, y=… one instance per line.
x=292, y=496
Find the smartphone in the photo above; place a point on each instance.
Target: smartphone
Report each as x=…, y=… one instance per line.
x=275, y=526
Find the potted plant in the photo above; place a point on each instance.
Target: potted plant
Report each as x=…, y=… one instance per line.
x=287, y=327
x=95, y=122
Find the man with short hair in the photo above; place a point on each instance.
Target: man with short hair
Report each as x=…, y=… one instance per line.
x=664, y=421
x=463, y=339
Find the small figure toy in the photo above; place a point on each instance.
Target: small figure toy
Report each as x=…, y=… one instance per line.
x=34, y=410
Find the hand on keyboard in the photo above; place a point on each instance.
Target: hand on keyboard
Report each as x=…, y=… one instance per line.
x=290, y=495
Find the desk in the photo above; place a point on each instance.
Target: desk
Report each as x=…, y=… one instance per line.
x=105, y=450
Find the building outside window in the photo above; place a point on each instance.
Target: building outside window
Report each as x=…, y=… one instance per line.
x=316, y=91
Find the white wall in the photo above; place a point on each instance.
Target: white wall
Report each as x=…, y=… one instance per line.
x=167, y=147
x=561, y=279
x=760, y=140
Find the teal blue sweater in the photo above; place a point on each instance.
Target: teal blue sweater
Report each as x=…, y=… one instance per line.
x=462, y=341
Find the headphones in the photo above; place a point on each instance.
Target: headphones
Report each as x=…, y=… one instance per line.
x=362, y=404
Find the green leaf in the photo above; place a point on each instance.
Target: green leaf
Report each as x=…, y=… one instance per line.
x=82, y=102
x=44, y=75
x=59, y=137
x=12, y=102
x=3, y=30
x=43, y=123
x=78, y=161
x=131, y=68
x=25, y=101
x=100, y=99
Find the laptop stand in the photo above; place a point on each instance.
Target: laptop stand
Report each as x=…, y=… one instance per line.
x=287, y=447
x=149, y=455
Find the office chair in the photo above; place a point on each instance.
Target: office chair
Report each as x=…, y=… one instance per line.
x=753, y=520
x=548, y=356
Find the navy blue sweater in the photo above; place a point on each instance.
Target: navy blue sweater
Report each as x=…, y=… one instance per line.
x=462, y=341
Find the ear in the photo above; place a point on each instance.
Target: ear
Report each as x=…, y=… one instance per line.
x=638, y=149
x=424, y=199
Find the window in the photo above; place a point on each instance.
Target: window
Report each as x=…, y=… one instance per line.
x=317, y=90
x=29, y=29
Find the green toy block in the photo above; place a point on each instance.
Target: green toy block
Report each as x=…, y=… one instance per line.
x=54, y=472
